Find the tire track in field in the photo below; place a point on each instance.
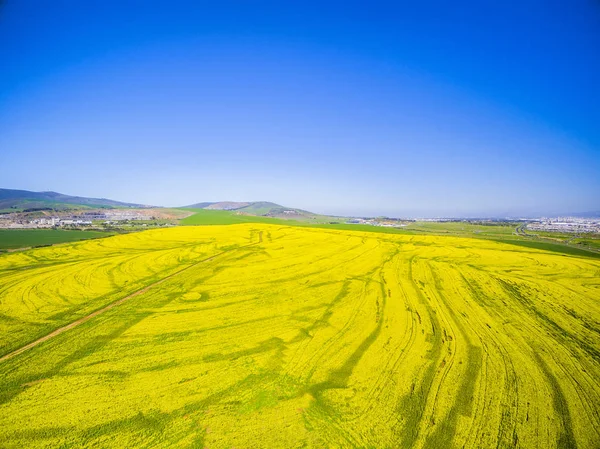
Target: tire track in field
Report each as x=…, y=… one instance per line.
x=566, y=437
x=445, y=431
x=519, y=307
x=507, y=435
x=523, y=306
x=116, y=303
x=415, y=403
x=385, y=382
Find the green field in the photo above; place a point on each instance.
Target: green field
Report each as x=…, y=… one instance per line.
x=463, y=228
x=591, y=242
x=498, y=231
x=25, y=238
x=259, y=335
x=221, y=217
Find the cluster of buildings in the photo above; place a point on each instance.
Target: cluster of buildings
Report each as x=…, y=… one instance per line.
x=384, y=222
x=556, y=224
x=34, y=223
x=81, y=219
x=566, y=224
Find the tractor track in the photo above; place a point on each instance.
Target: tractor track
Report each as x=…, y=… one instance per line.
x=114, y=304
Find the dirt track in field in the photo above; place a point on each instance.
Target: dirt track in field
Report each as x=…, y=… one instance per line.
x=86, y=318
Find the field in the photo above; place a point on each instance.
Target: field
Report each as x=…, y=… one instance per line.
x=221, y=217
x=24, y=238
x=218, y=217
x=258, y=335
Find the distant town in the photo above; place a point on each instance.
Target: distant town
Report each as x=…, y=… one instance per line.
x=134, y=218
x=546, y=224
x=106, y=218
x=565, y=224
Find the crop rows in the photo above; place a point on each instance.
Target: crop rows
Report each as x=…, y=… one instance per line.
x=276, y=336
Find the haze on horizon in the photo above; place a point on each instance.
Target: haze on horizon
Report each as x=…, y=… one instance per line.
x=443, y=109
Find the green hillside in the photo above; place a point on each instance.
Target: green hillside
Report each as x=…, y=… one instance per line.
x=220, y=217
x=23, y=200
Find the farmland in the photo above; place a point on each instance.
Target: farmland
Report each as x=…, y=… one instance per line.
x=220, y=217
x=22, y=238
x=215, y=217
x=266, y=335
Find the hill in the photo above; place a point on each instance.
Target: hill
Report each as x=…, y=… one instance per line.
x=257, y=208
x=198, y=205
x=23, y=200
x=227, y=205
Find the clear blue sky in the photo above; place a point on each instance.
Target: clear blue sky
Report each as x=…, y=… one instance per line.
x=445, y=108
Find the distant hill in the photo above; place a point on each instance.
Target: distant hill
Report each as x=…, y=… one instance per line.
x=219, y=205
x=198, y=206
x=259, y=208
x=227, y=205
x=23, y=200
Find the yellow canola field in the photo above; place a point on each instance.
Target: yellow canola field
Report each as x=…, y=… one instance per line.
x=48, y=287
x=266, y=336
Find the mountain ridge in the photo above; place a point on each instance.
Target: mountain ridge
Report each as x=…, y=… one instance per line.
x=16, y=200
x=260, y=208
x=27, y=199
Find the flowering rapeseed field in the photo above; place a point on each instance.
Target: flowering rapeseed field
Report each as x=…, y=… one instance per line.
x=268, y=336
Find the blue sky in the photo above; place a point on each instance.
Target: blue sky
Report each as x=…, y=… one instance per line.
x=441, y=108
